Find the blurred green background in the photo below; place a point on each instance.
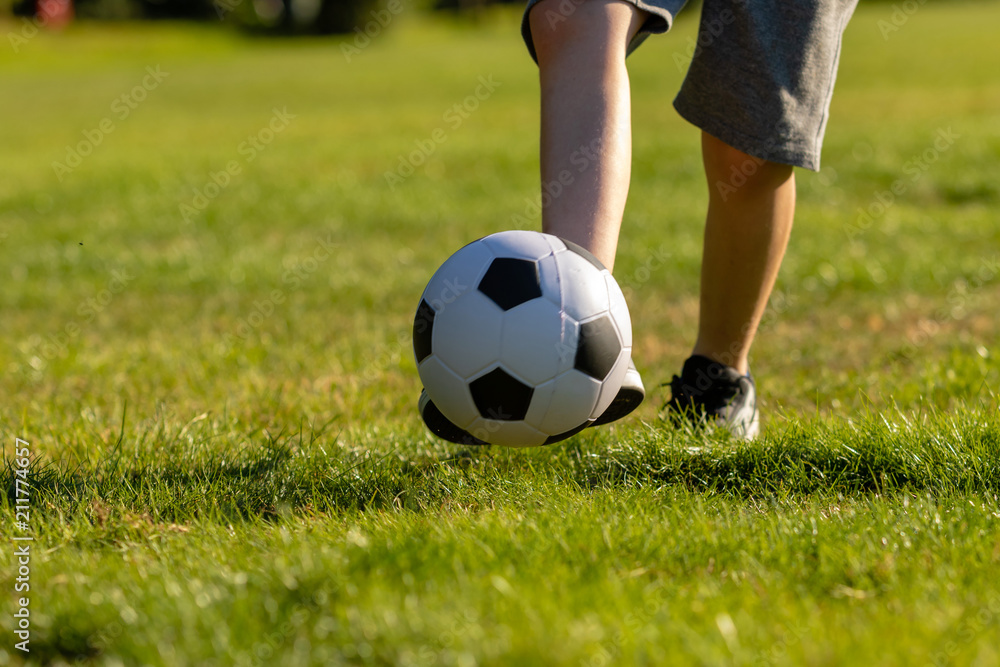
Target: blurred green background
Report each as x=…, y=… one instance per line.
x=278, y=17
x=208, y=284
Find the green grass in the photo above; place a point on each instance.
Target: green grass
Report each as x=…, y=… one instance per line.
x=227, y=463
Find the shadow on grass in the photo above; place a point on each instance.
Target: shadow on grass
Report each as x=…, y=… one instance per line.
x=871, y=456
x=288, y=475
x=255, y=484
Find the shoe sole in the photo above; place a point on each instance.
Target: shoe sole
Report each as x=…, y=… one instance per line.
x=740, y=430
x=751, y=430
x=629, y=397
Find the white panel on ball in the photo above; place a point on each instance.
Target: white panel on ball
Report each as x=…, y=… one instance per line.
x=518, y=243
x=619, y=311
x=510, y=434
x=574, y=396
x=474, y=356
x=548, y=279
x=570, y=340
x=449, y=392
x=584, y=291
x=531, y=340
x=457, y=276
x=554, y=242
x=612, y=383
x=541, y=399
x=466, y=334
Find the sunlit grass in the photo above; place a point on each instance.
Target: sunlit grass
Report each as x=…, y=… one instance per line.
x=228, y=465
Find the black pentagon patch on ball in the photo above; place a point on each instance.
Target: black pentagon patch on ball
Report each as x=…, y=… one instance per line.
x=583, y=252
x=442, y=427
x=597, y=348
x=499, y=396
x=423, y=327
x=510, y=282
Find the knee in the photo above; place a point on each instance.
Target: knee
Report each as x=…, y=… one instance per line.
x=576, y=29
x=555, y=24
x=736, y=174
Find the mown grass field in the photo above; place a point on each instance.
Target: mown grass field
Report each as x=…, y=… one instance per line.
x=219, y=401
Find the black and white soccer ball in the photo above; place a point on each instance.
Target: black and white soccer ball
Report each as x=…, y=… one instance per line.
x=522, y=338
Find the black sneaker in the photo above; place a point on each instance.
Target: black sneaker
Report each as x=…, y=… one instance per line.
x=708, y=391
x=628, y=399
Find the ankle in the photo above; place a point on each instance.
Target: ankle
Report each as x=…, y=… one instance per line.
x=726, y=358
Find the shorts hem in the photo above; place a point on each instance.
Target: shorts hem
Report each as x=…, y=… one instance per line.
x=784, y=152
x=659, y=21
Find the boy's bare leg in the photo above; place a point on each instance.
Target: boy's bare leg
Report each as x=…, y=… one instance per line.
x=746, y=233
x=586, y=141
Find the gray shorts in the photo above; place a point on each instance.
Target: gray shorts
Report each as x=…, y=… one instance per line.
x=761, y=74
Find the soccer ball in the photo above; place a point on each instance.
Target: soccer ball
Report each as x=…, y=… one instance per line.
x=522, y=338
